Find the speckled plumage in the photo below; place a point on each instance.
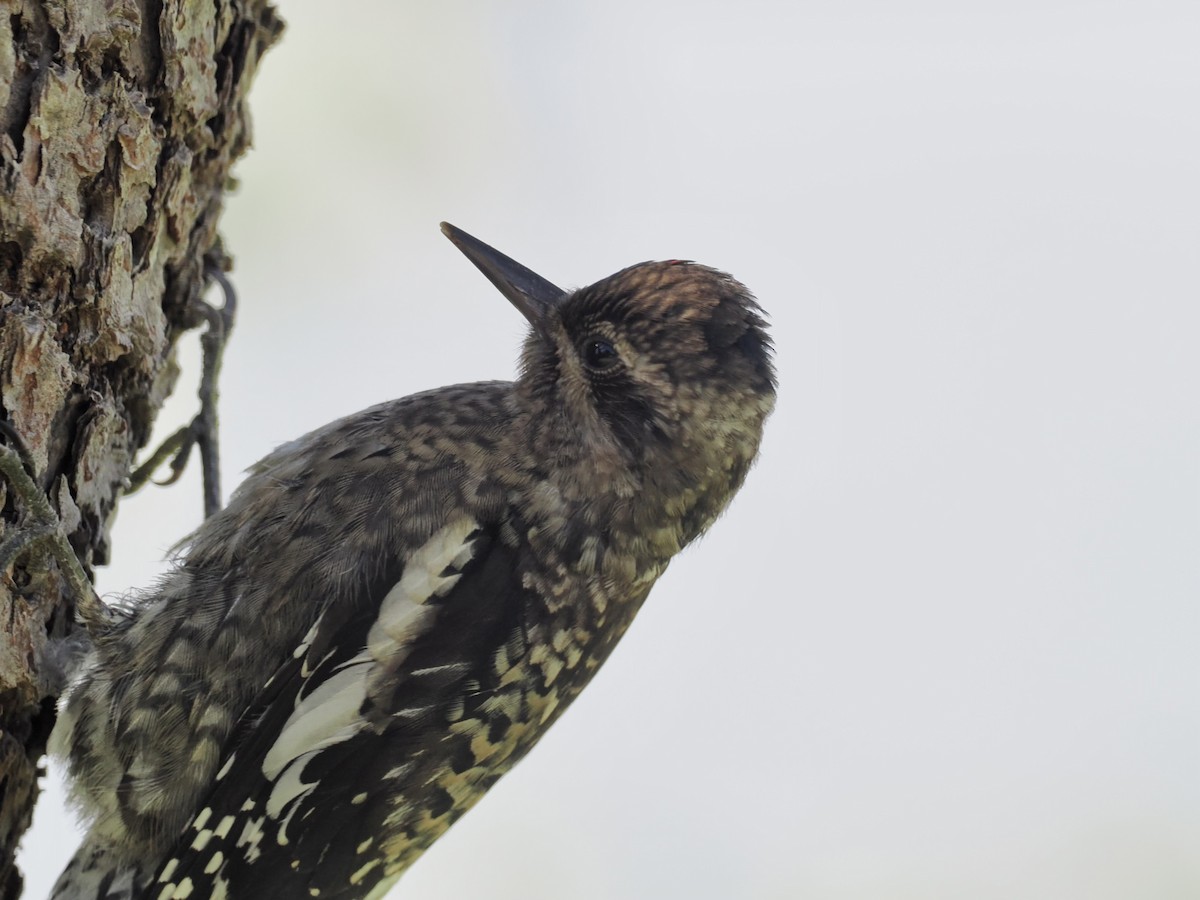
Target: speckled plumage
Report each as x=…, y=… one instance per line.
x=394, y=608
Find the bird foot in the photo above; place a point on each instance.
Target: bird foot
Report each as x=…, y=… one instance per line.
x=41, y=530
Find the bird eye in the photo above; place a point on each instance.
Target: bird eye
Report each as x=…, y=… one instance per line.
x=599, y=353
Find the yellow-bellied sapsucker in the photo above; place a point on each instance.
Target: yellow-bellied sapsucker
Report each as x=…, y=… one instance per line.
x=394, y=608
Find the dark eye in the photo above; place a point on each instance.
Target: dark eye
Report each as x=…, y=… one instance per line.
x=599, y=353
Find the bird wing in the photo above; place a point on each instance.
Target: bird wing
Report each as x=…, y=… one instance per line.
x=349, y=723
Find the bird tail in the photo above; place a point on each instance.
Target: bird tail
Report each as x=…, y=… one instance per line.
x=94, y=873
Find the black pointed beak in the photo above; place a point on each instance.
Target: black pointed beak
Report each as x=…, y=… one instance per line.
x=529, y=292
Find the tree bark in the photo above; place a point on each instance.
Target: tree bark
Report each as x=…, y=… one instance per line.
x=119, y=121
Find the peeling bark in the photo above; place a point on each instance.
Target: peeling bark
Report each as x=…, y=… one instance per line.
x=119, y=121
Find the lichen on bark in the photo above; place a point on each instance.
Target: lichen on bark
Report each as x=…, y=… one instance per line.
x=119, y=122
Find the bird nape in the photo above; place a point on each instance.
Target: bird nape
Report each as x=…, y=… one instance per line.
x=394, y=608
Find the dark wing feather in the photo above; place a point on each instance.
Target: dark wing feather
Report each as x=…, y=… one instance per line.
x=327, y=836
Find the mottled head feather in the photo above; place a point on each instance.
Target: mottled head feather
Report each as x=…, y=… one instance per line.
x=687, y=309
x=680, y=409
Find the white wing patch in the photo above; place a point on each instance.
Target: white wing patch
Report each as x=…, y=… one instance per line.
x=326, y=716
x=405, y=612
x=331, y=713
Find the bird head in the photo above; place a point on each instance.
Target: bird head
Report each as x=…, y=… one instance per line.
x=657, y=378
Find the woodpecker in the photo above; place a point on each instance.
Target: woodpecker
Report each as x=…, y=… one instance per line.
x=393, y=609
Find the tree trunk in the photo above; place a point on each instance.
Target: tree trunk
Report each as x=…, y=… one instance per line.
x=120, y=120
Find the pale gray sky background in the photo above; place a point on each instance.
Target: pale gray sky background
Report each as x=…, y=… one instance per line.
x=944, y=644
